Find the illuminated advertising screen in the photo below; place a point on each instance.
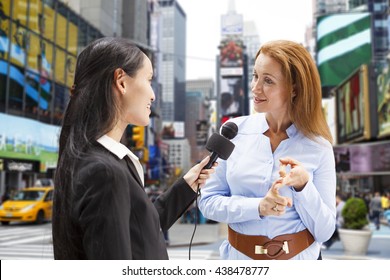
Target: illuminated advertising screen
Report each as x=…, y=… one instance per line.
x=363, y=158
x=383, y=93
x=27, y=139
x=231, y=97
x=352, y=108
x=231, y=57
x=343, y=44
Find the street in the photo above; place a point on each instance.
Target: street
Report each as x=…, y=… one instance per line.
x=32, y=242
x=23, y=241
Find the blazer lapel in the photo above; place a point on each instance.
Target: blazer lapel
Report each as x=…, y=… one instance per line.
x=133, y=170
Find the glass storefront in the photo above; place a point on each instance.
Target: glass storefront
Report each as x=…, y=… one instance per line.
x=39, y=43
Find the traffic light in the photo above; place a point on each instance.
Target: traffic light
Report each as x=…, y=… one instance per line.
x=138, y=136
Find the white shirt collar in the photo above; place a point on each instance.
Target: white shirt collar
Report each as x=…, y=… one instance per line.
x=121, y=151
x=116, y=148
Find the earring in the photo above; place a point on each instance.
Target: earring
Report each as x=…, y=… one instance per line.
x=124, y=91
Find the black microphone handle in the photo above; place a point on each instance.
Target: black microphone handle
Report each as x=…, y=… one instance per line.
x=213, y=158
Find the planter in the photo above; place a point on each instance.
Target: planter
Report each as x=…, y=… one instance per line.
x=355, y=242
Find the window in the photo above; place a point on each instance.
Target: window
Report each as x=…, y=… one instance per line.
x=32, y=95
x=72, y=35
x=61, y=99
x=20, y=39
x=17, y=81
x=3, y=84
x=20, y=11
x=70, y=69
x=35, y=21
x=4, y=28
x=61, y=30
x=33, y=53
x=47, y=22
x=60, y=66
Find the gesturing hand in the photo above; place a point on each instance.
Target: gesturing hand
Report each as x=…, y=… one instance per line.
x=273, y=203
x=297, y=177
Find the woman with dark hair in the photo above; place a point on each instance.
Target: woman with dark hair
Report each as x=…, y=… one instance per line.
x=101, y=210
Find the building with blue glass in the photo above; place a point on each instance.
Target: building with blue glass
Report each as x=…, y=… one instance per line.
x=39, y=43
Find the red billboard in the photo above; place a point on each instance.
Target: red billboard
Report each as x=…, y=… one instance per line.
x=352, y=108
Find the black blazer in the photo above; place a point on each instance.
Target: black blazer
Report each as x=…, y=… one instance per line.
x=112, y=216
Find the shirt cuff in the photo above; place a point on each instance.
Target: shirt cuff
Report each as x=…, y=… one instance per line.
x=252, y=208
x=305, y=193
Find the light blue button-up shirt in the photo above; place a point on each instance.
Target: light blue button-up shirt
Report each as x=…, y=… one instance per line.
x=233, y=193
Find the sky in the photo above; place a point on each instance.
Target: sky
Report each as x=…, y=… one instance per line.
x=275, y=19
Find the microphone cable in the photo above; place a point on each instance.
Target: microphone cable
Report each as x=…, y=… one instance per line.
x=195, y=221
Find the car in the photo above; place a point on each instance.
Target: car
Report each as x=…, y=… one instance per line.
x=32, y=204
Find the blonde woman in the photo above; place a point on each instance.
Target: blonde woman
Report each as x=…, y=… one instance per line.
x=277, y=190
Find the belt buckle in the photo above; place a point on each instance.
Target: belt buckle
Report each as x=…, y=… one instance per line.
x=263, y=249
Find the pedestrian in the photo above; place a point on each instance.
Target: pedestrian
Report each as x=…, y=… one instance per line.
x=385, y=201
x=277, y=190
x=367, y=198
x=101, y=209
x=376, y=209
x=340, y=202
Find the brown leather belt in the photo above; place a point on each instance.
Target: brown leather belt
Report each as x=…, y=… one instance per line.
x=282, y=247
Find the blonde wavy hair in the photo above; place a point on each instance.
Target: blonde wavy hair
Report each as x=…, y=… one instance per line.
x=300, y=71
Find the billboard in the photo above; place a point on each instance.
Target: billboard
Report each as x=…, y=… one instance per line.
x=27, y=139
x=363, y=158
x=202, y=127
x=352, y=108
x=172, y=130
x=383, y=93
x=343, y=44
x=231, y=97
x=231, y=59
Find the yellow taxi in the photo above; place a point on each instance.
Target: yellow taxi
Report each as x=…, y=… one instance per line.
x=28, y=205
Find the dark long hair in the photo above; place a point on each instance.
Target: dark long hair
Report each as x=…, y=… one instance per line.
x=92, y=112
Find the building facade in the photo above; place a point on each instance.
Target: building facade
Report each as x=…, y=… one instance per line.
x=178, y=155
x=359, y=100
x=198, y=115
x=252, y=45
x=39, y=43
x=173, y=64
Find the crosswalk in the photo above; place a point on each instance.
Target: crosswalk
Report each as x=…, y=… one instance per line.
x=39, y=252
x=26, y=242
x=26, y=252
x=195, y=254
x=35, y=243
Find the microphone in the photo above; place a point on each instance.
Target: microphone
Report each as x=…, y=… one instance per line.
x=220, y=145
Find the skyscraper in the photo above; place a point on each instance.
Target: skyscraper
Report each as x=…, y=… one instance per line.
x=173, y=67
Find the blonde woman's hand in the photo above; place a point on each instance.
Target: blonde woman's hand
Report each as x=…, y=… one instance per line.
x=298, y=175
x=197, y=176
x=273, y=204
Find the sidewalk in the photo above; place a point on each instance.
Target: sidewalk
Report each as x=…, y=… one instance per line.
x=180, y=234
x=378, y=249
x=211, y=235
